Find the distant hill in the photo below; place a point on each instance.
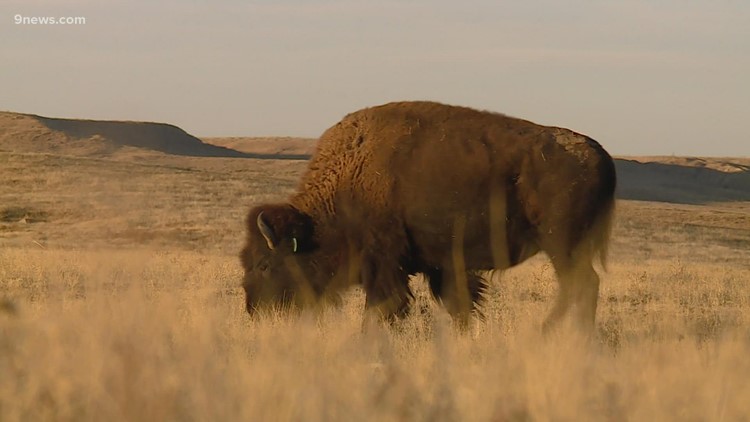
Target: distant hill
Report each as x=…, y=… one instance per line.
x=722, y=164
x=32, y=133
x=687, y=180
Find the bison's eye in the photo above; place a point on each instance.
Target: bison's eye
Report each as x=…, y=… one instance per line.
x=262, y=267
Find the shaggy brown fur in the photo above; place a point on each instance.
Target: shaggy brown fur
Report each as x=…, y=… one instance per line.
x=423, y=187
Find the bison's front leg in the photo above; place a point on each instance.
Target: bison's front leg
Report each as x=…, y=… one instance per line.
x=460, y=293
x=386, y=286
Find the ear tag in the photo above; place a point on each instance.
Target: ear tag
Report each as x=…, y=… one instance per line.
x=294, y=244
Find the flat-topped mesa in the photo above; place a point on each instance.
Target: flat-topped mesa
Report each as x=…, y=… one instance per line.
x=32, y=133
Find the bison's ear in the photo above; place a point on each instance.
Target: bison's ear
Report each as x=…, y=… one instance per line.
x=284, y=227
x=267, y=231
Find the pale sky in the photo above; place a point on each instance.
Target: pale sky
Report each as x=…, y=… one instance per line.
x=642, y=77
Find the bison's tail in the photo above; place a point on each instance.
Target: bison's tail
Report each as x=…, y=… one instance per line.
x=601, y=232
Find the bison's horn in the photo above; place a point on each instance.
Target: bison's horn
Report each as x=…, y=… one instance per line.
x=294, y=244
x=266, y=231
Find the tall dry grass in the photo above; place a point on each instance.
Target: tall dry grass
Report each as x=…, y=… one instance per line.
x=155, y=335
x=120, y=300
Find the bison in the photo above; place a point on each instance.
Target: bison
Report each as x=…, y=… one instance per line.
x=449, y=192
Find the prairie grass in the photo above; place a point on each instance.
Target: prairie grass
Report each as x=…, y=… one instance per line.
x=97, y=324
x=142, y=335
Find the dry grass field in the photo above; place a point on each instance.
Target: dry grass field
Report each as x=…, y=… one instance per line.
x=120, y=300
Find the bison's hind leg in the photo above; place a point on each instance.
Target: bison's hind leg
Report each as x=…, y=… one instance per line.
x=579, y=286
x=578, y=281
x=460, y=293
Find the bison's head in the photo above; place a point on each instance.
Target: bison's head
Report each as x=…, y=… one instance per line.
x=280, y=259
